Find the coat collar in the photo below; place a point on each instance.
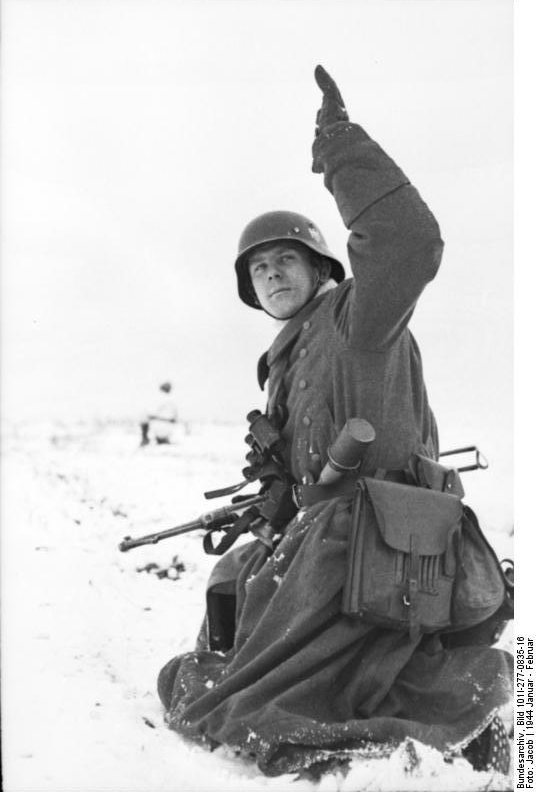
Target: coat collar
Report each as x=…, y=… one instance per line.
x=286, y=336
x=292, y=328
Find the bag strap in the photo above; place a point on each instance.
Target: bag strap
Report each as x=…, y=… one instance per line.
x=412, y=598
x=240, y=526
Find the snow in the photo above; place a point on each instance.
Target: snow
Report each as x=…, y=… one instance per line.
x=85, y=633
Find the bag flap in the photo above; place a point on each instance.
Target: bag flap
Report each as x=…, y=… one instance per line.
x=431, y=474
x=403, y=511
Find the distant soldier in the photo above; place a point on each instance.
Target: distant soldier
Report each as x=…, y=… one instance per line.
x=161, y=420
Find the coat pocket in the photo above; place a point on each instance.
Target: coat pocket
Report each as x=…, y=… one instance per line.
x=402, y=556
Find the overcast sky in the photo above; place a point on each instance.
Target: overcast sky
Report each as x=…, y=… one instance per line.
x=140, y=136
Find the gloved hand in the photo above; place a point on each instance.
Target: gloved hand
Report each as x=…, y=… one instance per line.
x=332, y=108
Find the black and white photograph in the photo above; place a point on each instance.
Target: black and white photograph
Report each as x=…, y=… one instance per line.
x=259, y=478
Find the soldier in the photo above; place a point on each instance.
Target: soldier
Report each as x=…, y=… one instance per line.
x=161, y=419
x=284, y=673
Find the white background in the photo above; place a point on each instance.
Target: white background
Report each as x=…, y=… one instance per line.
x=140, y=137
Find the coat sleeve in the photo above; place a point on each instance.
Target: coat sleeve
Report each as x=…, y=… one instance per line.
x=394, y=246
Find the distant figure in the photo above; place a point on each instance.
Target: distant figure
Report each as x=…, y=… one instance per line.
x=160, y=420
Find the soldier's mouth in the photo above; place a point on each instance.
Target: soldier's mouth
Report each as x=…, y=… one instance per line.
x=279, y=291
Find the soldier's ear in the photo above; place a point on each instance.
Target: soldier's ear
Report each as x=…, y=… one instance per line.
x=324, y=270
x=251, y=292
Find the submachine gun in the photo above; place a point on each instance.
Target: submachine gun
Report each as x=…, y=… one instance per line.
x=272, y=508
x=278, y=500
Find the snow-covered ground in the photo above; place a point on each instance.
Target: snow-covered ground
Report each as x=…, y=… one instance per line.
x=85, y=633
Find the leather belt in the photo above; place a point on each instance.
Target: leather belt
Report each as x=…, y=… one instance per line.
x=305, y=495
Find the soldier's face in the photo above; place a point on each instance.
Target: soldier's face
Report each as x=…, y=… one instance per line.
x=283, y=277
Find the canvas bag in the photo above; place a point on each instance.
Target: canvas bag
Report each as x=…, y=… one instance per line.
x=481, y=589
x=415, y=561
x=402, y=556
x=483, y=594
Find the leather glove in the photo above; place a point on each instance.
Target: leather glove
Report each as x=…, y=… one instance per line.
x=332, y=108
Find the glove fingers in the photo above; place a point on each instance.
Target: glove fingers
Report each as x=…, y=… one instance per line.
x=331, y=110
x=327, y=85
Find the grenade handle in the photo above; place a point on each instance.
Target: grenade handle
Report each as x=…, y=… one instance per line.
x=348, y=450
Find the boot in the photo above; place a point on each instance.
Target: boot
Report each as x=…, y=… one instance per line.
x=491, y=749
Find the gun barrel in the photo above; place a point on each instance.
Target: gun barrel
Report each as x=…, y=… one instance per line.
x=128, y=543
x=208, y=520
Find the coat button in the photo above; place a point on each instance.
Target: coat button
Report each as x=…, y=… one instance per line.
x=306, y=325
x=302, y=353
x=302, y=384
x=306, y=421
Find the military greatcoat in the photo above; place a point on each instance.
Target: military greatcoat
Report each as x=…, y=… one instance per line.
x=300, y=680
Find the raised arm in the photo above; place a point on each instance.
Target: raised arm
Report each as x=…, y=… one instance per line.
x=395, y=245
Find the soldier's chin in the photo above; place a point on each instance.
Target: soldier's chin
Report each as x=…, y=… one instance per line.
x=283, y=313
x=285, y=307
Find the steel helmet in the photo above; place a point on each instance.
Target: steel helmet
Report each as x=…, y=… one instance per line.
x=273, y=227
